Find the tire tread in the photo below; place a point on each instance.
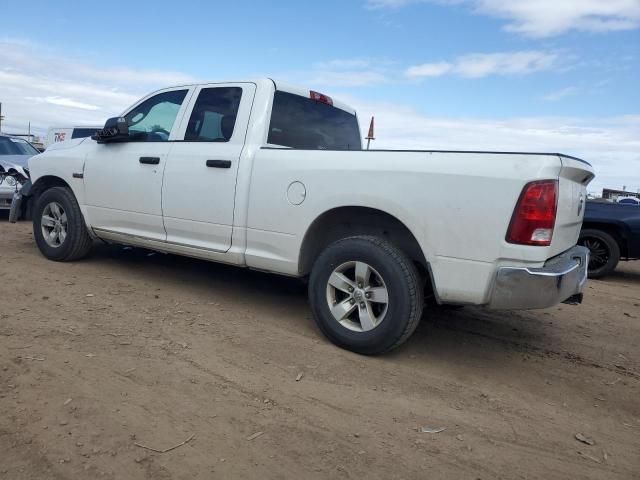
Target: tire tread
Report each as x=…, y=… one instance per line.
x=81, y=241
x=411, y=274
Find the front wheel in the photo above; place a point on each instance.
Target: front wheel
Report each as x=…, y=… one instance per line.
x=604, y=252
x=58, y=226
x=366, y=295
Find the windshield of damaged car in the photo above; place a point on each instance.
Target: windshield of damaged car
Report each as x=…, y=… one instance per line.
x=16, y=146
x=153, y=119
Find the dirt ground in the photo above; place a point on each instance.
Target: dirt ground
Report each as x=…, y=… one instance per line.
x=126, y=349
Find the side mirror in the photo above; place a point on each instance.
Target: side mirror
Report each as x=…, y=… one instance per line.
x=115, y=130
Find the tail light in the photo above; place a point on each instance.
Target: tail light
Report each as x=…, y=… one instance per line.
x=320, y=97
x=535, y=214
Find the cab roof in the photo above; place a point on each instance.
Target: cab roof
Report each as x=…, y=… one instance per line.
x=266, y=82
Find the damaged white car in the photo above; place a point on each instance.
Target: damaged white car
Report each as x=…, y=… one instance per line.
x=14, y=172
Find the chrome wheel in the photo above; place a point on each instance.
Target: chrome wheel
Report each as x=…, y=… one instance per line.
x=357, y=296
x=54, y=224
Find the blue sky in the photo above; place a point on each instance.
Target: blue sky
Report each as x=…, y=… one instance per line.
x=505, y=74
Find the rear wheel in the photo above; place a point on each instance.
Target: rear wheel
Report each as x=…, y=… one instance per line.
x=58, y=226
x=604, y=252
x=366, y=295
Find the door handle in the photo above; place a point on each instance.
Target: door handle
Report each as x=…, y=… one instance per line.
x=219, y=163
x=150, y=160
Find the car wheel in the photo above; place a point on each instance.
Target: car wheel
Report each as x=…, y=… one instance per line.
x=366, y=295
x=58, y=226
x=604, y=252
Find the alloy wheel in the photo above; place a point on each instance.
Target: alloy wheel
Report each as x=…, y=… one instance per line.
x=357, y=296
x=54, y=224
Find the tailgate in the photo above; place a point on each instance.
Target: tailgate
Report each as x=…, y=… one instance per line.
x=575, y=175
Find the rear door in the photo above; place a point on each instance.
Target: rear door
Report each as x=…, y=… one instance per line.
x=198, y=193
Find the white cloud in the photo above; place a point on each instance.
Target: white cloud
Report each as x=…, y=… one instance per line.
x=47, y=90
x=611, y=145
x=346, y=78
x=344, y=63
x=429, y=70
x=545, y=18
x=349, y=72
x=560, y=94
x=479, y=65
x=66, y=102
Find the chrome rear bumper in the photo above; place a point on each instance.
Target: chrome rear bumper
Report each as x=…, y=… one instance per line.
x=561, y=279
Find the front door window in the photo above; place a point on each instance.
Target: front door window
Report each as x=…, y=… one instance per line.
x=153, y=119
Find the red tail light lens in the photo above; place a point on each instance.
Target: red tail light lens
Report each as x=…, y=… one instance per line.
x=535, y=214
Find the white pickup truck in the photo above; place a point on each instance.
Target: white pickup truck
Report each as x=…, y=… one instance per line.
x=271, y=177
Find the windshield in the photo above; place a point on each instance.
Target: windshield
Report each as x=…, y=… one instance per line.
x=303, y=123
x=16, y=146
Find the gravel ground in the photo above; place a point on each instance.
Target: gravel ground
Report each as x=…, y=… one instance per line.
x=125, y=350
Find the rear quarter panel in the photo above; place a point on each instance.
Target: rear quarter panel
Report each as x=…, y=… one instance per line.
x=575, y=174
x=457, y=205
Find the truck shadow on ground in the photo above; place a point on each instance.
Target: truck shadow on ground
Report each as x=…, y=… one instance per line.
x=444, y=334
x=443, y=331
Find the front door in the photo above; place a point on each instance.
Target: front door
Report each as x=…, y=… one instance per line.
x=198, y=194
x=123, y=181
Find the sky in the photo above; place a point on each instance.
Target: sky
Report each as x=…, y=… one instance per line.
x=521, y=75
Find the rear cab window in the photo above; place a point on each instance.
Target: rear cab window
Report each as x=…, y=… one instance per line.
x=304, y=123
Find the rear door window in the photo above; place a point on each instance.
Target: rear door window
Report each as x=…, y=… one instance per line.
x=303, y=123
x=213, y=118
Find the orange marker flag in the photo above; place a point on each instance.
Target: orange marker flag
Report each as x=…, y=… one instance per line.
x=370, y=134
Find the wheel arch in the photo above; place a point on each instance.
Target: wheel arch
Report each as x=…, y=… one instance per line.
x=36, y=189
x=46, y=182
x=346, y=221
x=616, y=231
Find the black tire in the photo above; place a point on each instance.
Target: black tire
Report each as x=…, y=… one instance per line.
x=604, y=252
x=77, y=243
x=404, y=292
